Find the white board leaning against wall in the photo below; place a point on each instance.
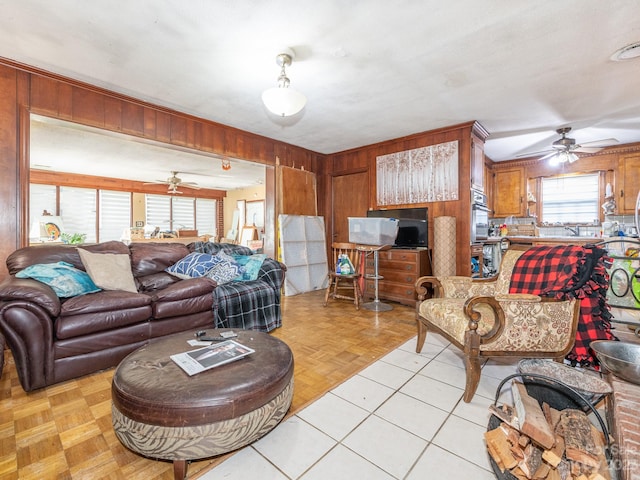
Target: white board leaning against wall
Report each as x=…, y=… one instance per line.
x=303, y=251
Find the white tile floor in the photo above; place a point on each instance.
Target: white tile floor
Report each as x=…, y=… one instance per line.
x=400, y=418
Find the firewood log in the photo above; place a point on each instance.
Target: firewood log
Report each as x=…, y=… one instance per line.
x=531, y=418
x=532, y=460
x=579, y=444
x=497, y=439
x=553, y=456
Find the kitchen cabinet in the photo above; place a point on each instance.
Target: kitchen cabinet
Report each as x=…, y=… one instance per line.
x=509, y=192
x=400, y=268
x=477, y=163
x=488, y=186
x=629, y=183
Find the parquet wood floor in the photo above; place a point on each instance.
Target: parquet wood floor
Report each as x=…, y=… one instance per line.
x=64, y=431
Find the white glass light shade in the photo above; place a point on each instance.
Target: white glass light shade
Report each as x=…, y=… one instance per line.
x=283, y=101
x=562, y=157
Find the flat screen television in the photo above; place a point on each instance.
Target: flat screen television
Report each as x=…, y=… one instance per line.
x=412, y=225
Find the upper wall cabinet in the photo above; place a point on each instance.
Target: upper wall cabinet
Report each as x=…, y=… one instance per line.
x=509, y=191
x=477, y=163
x=629, y=183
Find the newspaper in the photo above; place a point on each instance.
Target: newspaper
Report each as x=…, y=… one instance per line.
x=219, y=353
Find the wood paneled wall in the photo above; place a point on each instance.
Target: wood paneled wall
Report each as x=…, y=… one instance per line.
x=28, y=90
x=364, y=159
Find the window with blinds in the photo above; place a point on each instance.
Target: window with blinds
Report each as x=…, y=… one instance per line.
x=78, y=211
x=182, y=213
x=206, y=217
x=570, y=199
x=41, y=198
x=158, y=211
x=115, y=215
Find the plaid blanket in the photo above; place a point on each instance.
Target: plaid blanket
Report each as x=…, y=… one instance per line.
x=253, y=305
x=570, y=271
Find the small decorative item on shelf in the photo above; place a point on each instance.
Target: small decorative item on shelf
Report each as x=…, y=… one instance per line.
x=73, y=238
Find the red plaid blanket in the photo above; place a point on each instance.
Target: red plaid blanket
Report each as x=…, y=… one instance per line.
x=570, y=271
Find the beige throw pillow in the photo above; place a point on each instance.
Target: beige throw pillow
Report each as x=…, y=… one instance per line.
x=109, y=271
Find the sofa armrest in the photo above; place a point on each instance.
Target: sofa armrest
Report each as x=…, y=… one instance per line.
x=272, y=272
x=28, y=330
x=32, y=291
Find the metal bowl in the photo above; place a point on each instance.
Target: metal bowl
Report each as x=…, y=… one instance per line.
x=620, y=358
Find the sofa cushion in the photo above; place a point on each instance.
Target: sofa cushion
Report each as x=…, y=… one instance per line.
x=62, y=277
x=193, y=265
x=109, y=271
x=193, y=295
x=154, y=257
x=105, y=310
x=155, y=281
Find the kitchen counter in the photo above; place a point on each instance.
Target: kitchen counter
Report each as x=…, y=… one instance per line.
x=553, y=240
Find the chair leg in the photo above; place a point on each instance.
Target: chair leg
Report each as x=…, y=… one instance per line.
x=356, y=293
x=422, y=335
x=472, y=367
x=327, y=293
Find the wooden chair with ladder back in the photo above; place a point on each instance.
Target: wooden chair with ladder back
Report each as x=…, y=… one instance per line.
x=344, y=285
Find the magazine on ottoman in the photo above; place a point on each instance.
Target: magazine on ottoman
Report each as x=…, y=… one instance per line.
x=214, y=355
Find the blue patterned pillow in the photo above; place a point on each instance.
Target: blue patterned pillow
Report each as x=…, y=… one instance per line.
x=192, y=266
x=65, y=280
x=251, y=264
x=225, y=269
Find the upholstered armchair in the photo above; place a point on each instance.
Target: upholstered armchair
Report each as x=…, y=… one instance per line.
x=482, y=319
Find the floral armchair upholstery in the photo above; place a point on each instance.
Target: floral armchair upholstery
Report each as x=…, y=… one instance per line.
x=480, y=317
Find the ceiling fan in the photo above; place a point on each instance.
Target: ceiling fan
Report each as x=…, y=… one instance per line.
x=173, y=182
x=564, y=149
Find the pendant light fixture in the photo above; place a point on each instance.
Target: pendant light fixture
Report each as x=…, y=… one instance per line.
x=283, y=100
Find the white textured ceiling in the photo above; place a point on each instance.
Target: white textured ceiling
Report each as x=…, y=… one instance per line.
x=372, y=70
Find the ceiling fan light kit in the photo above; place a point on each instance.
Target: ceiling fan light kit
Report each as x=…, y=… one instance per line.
x=283, y=100
x=564, y=149
x=173, y=182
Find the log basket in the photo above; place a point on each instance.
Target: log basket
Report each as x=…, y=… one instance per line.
x=565, y=396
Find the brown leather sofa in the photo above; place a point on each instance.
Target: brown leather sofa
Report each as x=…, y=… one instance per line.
x=55, y=339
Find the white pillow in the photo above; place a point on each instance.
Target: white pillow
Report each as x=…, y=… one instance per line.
x=109, y=271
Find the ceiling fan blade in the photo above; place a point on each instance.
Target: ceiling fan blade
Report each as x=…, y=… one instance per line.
x=533, y=154
x=604, y=142
x=582, y=149
x=549, y=155
x=157, y=182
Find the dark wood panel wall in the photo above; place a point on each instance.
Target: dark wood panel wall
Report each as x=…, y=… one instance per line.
x=29, y=90
x=364, y=159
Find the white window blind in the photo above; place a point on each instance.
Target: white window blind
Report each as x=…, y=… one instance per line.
x=206, y=217
x=158, y=211
x=115, y=215
x=78, y=211
x=570, y=199
x=183, y=213
x=41, y=198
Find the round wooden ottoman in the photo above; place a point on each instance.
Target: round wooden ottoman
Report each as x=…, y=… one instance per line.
x=161, y=412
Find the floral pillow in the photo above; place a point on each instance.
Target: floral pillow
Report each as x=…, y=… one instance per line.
x=65, y=280
x=251, y=264
x=192, y=266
